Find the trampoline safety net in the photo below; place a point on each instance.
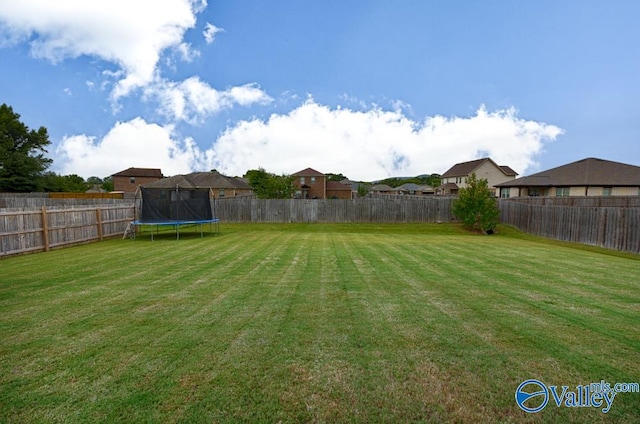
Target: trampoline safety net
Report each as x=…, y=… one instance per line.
x=175, y=204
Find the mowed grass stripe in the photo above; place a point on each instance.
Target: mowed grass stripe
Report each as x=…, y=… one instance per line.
x=312, y=323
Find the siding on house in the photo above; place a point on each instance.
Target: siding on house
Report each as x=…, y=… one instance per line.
x=484, y=168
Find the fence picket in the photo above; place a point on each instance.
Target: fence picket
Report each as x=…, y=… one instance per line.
x=604, y=221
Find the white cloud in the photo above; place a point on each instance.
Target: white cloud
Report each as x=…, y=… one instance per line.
x=373, y=144
x=210, y=32
x=192, y=100
x=133, y=143
x=131, y=34
x=363, y=145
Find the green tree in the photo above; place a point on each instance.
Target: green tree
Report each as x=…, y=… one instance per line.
x=107, y=184
x=270, y=186
x=335, y=177
x=22, y=160
x=363, y=189
x=476, y=206
x=63, y=183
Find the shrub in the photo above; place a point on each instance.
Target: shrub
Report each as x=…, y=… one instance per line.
x=476, y=206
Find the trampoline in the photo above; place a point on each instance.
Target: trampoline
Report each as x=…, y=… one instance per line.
x=214, y=226
x=175, y=207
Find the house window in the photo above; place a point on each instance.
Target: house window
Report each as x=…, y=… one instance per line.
x=562, y=191
x=458, y=180
x=534, y=191
x=313, y=180
x=132, y=180
x=301, y=180
x=606, y=191
x=505, y=192
x=221, y=192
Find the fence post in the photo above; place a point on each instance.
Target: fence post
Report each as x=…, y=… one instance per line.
x=99, y=221
x=45, y=229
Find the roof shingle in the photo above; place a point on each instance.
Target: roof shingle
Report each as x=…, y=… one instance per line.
x=585, y=172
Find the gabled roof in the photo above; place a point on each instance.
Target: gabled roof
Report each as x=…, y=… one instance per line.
x=180, y=181
x=448, y=186
x=199, y=180
x=381, y=187
x=139, y=172
x=585, y=172
x=309, y=172
x=414, y=187
x=508, y=171
x=463, y=169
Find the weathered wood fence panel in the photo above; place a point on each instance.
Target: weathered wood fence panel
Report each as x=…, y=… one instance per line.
x=30, y=203
x=392, y=210
x=612, y=227
x=36, y=230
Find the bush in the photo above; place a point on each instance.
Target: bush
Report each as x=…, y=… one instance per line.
x=476, y=206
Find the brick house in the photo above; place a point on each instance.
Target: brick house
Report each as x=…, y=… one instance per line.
x=128, y=180
x=312, y=184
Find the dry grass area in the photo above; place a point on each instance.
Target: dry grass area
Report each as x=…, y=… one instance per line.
x=315, y=323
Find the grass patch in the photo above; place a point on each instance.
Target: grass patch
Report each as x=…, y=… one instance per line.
x=315, y=323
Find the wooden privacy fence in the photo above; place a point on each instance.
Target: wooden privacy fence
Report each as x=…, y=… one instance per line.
x=611, y=227
x=40, y=230
x=36, y=202
x=395, y=210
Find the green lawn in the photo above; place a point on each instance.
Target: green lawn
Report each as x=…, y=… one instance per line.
x=315, y=323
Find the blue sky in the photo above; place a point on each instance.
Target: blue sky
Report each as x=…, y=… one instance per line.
x=369, y=89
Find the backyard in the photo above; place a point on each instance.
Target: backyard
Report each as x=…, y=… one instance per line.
x=316, y=323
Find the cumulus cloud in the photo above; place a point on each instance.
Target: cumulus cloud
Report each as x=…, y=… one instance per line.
x=363, y=145
x=131, y=34
x=374, y=144
x=133, y=143
x=192, y=100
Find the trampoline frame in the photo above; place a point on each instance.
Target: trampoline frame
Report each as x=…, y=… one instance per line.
x=176, y=224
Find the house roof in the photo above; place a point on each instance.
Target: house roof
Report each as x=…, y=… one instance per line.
x=585, y=172
x=414, y=187
x=508, y=171
x=180, y=181
x=139, y=172
x=448, y=186
x=381, y=187
x=309, y=172
x=466, y=168
x=199, y=179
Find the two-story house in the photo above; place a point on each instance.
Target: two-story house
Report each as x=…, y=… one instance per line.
x=456, y=177
x=312, y=184
x=128, y=180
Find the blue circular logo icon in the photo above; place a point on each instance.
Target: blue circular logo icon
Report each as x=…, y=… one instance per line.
x=532, y=396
